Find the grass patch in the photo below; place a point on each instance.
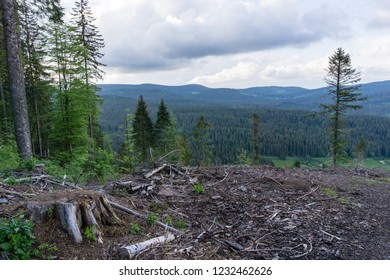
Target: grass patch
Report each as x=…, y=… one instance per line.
x=198, y=189
x=180, y=224
x=151, y=219
x=135, y=229
x=329, y=192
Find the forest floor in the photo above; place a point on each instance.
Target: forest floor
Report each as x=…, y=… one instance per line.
x=243, y=213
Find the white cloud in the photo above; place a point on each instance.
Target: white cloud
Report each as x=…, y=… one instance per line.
x=295, y=69
x=169, y=33
x=243, y=71
x=380, y=19
x=239, y=43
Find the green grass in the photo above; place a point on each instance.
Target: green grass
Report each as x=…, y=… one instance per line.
x=318, y=162
x=329, y=192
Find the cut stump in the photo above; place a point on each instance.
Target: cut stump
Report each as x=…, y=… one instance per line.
x=76, y=212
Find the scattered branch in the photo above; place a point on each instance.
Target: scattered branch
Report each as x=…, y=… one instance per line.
x=132, y=212
x=309, y=193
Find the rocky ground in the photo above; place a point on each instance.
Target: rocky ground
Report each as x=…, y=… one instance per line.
x=242, y=213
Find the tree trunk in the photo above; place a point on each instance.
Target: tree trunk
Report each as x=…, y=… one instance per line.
x=76, y=212
x=16, y=80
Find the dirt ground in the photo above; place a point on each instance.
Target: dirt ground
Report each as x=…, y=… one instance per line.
x=243, y=213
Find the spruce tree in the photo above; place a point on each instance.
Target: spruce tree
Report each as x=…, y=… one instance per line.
x=91, y=43
x=70, y=124
x=342, y=85
x=164, y=130
x=142, y=129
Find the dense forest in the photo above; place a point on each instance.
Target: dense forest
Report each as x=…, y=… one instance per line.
x=51, y=111
x=283, y=133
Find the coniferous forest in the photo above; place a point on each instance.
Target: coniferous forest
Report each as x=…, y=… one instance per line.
x=283, y=133
x=93, y=131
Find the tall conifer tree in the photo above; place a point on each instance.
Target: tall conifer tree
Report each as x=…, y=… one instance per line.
x=142, y=129
x=70, y=127
x=342, y=81
x=164, y=130
x=91, y=43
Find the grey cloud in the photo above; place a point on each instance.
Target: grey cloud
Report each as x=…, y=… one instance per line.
x=150, y=35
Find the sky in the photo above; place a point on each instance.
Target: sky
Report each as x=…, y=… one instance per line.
x=240, y=43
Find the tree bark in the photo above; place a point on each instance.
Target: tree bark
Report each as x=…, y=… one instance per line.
x=130, y=251
x=76, y=212
x=16, y=80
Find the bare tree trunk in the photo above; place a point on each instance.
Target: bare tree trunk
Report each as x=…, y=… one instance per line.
x=16, y=80
x=5, y=116
x=38, y=124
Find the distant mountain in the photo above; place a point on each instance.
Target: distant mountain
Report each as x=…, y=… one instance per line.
x=378, y=94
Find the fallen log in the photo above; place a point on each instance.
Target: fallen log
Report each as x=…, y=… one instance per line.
x=154, y=171
x=15, y=193
x=132, y=212
x=129, y=252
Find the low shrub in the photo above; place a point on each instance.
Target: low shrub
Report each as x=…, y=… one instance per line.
x=16, y=238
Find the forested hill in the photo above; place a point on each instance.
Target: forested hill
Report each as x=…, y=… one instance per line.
x=284, y=130
x=378, y=94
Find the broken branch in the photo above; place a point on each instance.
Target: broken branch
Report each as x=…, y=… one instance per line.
x=132, y=212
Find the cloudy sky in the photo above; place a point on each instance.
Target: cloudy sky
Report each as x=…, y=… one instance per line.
x=240, y=43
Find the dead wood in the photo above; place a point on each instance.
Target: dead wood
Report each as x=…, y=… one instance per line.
x=224, y=178
x=309, y=193
x=129, y=252
x=272, y=179
x=154, y=171
x=331, y=235
x=15, y=193
x=164, y=156
x=89, y=210
x=69, y=216
x=132, y=212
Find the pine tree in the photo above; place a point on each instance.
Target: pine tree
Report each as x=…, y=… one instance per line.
x=342, y=85
x=203, y=153
x=142, y=129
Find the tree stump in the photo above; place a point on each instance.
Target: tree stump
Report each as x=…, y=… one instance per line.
x=76, y=211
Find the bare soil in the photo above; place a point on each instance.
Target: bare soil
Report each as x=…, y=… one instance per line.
x=243, y=213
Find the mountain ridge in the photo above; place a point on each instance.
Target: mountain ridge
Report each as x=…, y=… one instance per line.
x=281, y=97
